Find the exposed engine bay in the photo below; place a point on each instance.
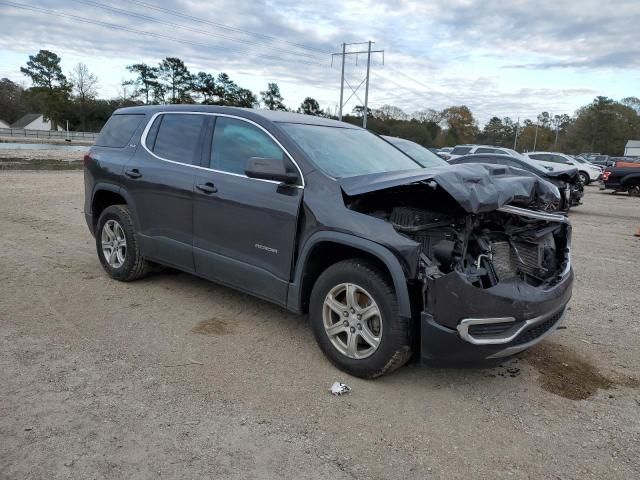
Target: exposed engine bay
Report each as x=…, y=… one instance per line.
x=486, y=248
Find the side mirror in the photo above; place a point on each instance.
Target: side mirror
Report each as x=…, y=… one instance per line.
x=270, y=169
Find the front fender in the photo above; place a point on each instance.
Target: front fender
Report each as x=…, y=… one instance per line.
x=294, y=297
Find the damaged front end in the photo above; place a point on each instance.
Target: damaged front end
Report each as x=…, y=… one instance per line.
x=492, y=281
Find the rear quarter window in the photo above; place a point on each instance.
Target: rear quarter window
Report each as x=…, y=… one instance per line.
x=118, y=130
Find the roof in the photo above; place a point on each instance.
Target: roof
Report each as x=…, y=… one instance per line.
x=633, y=144
x=26, y=120
x=271, y=115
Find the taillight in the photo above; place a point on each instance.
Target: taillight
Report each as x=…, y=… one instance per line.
x=86, y=159
x=605, y=175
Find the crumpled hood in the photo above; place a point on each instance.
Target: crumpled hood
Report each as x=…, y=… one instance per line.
x=567, y=174
x=477, y=187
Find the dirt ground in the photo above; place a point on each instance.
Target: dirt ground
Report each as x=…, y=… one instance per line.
x=176, y=377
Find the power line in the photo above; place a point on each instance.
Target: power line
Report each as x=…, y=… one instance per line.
x=146, y=33
x=122, y=11
x=222, y=26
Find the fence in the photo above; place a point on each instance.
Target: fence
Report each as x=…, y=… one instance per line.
x=21, y=132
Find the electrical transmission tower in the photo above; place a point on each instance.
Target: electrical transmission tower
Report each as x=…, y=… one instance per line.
x=365, y=80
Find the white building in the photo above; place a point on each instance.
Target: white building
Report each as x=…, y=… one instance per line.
x=632, y=148
x=34, y=121
x=4, y=124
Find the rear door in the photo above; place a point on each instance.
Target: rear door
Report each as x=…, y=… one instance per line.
x=160, y=179
x=244, y=228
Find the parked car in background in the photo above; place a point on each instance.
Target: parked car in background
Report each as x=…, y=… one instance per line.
x=622, y=179
x=488, y=149
x=624, y=162
x=444, y=152
x=420, y=154
x=586, y=171
x=470, y=149
x=599, y=160
x=566, y=179
x=388, y=258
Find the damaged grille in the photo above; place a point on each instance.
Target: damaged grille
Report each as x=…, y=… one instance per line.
x=511, y=258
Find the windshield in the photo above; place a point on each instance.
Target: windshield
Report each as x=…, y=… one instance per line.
x=423, y=156
x=347, y=152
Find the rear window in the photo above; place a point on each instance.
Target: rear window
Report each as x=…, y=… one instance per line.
x=460, y=150
x=118, y=130
x=178, y=137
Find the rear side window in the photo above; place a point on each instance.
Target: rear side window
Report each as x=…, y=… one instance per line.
x=236, y=141
x=559, y=159
x=460, y=150
x=538, y=156
x=118, y=130
x=178, y=137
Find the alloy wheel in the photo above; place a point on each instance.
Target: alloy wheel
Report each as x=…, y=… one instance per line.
x=352, y=321
x=114, y=244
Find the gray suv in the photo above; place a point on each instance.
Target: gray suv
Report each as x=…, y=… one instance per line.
x=389, y=259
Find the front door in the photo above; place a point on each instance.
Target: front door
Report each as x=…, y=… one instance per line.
x=244, y=228
x=160, y=178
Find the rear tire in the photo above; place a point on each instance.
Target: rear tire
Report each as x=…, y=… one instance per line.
x=634, y=191
x=117, y=246
x=364, y=336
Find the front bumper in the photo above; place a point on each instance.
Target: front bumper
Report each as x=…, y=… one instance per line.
x=506, y=319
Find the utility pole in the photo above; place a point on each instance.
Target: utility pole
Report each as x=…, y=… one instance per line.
x=366, y=88
x=555, y=144
x=515, y=140
x=344, y=47
x=535, y=137
x=365, y=80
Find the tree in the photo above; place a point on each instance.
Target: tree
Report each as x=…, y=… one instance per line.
x=205, y=85
x=462, y=127
x=271, y=97
x=632, y=102
x=49, y=83
x=177, y=80
x=310, y=106
x=146, y=82
x=13, y=103
x=227, y=90
x=493, y=132
x=602, y=126
x=85, y=89
x=358, y=111
x=244, y=98
x=429, y=116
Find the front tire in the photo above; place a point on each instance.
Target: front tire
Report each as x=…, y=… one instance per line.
x=117, y=246
x=354, y=316
x=634, y=191
x=584, y=178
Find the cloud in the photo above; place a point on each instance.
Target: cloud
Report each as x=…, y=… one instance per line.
x=497, y=57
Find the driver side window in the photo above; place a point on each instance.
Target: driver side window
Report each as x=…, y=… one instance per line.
x=236, y=141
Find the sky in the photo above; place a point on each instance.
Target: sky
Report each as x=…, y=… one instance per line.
x=514, y=58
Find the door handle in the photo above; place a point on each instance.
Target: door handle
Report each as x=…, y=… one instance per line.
x=133, y=173
x=207, y=188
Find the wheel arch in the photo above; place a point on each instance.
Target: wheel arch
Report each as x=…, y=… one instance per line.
x=630, y=179
x=324, y=249
x=586, y=174
x=107, y=194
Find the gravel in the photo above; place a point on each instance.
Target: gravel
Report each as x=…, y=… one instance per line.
x=176, y=377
